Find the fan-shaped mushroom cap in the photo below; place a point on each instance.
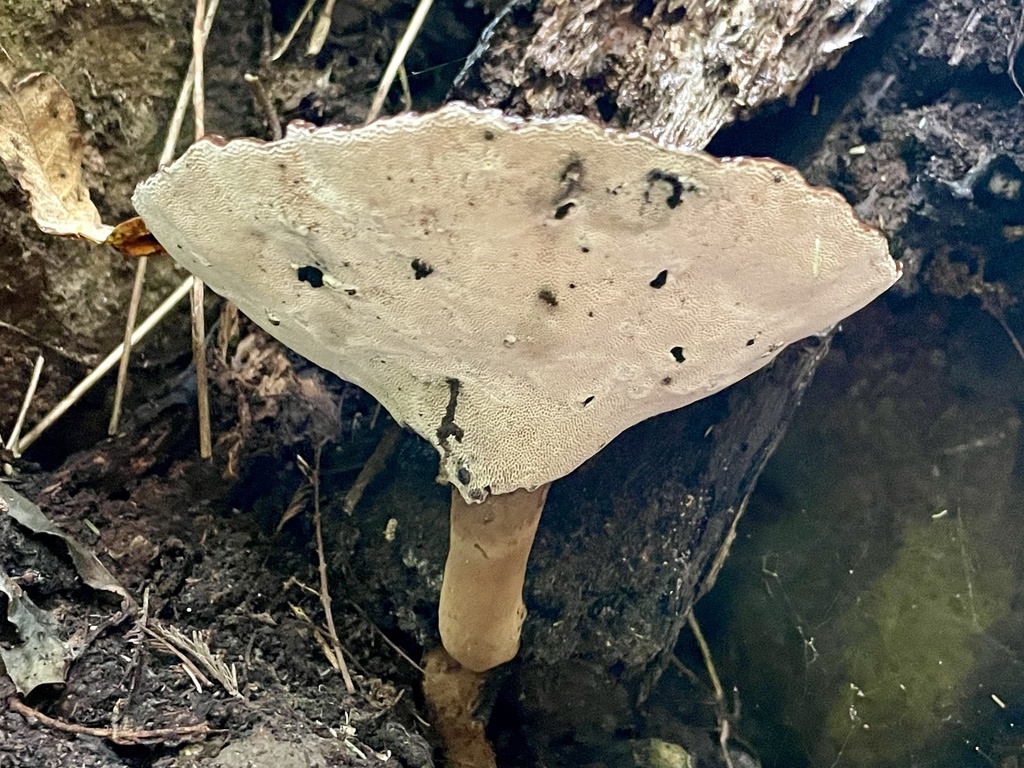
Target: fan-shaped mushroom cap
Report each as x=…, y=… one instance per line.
x=517, y=292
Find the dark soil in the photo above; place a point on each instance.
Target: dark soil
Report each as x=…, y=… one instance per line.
x=167, y=530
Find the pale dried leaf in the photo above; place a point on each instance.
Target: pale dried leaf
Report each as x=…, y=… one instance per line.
x=42, y=149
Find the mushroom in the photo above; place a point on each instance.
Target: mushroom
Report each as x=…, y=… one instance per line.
x=518, y=292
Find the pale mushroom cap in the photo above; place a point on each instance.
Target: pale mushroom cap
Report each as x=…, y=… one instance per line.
x=517, y=292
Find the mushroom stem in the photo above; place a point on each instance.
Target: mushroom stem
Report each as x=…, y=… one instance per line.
x=481, y=611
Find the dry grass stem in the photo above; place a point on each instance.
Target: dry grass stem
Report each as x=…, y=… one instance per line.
x=286, y=41
x=198, y=289
x=194, y=673
x=100, y=370
x=171, y=140
x=403, y=79
x=1001, y=319
x=129, y=328
x=321, y=29
x=415, y=24
x=227, y=333
x=199, y=358
x=197, y=648
x=30, y=392
x=709, y=663
x=372, y=467
x=325, y=595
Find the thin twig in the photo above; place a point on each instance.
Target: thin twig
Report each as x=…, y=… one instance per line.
x=107, y=363
x=286, y=41
x=170, y=142
x=59, y=351
x=1001, y=319
x=395, y=647
x=398, y=57
x=723, y=721
x=116, y=735
x=37, y=370
x=265, y=104
x=198, y=289
x=385, y=447
x=325, y=595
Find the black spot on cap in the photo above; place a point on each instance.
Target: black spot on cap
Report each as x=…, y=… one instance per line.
x=312, y=275
x=463, y=476
x=659, y=281
x=548, y=297
x=677, y=353
x=421, y=269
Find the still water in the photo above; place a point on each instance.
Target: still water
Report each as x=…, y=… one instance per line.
x=872, y=610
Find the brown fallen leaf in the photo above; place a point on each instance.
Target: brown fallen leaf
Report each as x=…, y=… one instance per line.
x=133, y=240
x=87, y=565
x=42, y=148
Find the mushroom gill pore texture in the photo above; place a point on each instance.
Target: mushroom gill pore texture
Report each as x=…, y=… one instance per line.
x=517, y=292
x=481, y=611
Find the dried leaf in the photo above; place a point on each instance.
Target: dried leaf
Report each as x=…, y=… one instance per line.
x=88, y=566
x=42, y=148
x=133, y=240
x=41, y=658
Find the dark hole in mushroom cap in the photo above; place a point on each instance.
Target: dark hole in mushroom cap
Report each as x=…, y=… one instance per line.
x=588, y=400
x=563, y=210
x=659, y=281
x=677, y=353
x=312, y=275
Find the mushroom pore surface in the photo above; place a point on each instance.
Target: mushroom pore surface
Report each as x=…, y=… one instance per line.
x=517, y=292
